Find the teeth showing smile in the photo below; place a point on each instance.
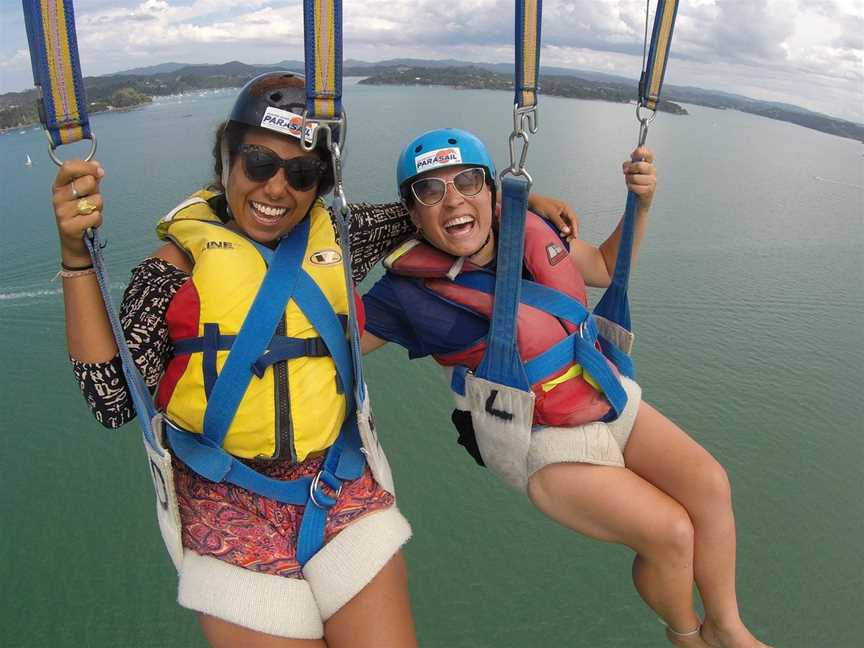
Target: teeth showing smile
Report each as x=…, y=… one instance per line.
x=268, y=211
x=454, y=223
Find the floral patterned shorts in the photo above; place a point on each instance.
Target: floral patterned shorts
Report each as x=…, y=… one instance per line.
x=254, y=532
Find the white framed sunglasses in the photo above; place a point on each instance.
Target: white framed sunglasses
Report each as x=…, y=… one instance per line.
x=431, y=191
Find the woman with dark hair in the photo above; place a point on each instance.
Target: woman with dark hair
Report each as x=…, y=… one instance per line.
x=242, y=562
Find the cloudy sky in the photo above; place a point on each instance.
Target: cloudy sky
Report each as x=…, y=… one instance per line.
x=809, y=53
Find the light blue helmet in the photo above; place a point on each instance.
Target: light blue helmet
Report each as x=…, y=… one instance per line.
x=441, y=148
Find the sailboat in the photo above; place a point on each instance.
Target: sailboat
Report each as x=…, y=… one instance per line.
x=28, y=161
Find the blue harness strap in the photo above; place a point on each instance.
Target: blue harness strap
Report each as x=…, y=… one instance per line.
x=142, y=401
x=314, y=304
x=614, y=305
x=285, y=280
x=578, y=347
x=501, y=363
x=257, y=330
x=280, y=348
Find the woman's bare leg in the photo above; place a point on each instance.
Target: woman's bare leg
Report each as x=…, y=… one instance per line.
x=222, y=634
x=379, y=616
x=616, y=505
x=663, y=454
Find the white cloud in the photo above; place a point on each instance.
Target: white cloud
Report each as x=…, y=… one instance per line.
x=19, y=60
x=790, y=50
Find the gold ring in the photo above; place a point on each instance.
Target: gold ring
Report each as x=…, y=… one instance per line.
x=85, y=207
x=75, y=193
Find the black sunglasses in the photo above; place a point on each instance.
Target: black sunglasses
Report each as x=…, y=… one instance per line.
x=260, y=164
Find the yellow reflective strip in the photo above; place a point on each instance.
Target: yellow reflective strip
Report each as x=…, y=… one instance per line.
x=661, y=51
x=590, y=380
x=529, y=53
x=572, y=372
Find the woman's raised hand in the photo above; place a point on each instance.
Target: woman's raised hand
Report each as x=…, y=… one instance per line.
x=640, y=175
x=77, y=207
x=556, y=211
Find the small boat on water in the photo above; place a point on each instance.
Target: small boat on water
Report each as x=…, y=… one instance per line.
x=28, y=161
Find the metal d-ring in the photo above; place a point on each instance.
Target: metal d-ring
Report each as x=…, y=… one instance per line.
x=53, y=155
x=314, y=487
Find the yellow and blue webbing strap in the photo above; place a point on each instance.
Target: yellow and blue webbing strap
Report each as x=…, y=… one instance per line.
x=655, y=67
x=322, y=28
x=528, y=19
x=322, y=21
x=615, y=303
x=501, y=362
x=62, y=102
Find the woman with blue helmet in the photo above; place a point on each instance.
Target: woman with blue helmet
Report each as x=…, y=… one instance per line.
x=635, y=479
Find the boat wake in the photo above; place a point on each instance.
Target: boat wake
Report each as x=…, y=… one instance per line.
x=22, y=295
x=839, y=182
x=29, y=294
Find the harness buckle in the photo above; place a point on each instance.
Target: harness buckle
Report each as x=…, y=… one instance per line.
x=316, y=491
x=314, y=347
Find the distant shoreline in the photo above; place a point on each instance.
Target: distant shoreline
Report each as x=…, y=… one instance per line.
x=132, y=90
x=9, y=129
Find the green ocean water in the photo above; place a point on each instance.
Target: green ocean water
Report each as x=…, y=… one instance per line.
x=749, y=308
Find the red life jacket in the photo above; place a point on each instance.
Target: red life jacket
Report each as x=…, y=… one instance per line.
x=563, y=398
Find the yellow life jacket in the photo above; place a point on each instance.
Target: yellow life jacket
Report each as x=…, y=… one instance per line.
x=294, y=408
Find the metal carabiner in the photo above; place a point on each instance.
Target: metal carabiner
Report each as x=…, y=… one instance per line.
x=524, y=119
x=644, y=122
x=518, y=168
x=323, y=125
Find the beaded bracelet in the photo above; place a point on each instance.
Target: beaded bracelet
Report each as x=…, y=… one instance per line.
x=69, y=274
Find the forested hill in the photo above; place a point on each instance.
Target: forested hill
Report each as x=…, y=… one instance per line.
x=127, y=90
x=136, y=87
x=609, y=88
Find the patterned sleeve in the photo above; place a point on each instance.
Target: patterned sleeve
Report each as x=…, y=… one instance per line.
x=375, y=229
x=142, y=315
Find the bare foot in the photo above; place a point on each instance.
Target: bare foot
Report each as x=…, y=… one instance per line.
x=734, y=636
x=691, y=639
